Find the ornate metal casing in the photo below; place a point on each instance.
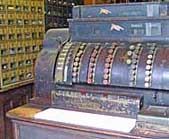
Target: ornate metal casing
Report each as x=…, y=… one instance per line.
x=114, y=66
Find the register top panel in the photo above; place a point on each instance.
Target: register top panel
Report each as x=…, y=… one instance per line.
x=104, y=30
x=122, y=10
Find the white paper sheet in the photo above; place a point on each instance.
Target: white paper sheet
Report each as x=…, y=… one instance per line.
x=88, y=119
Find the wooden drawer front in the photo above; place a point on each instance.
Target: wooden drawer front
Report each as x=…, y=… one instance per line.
x=42, y=132
x=29, y=132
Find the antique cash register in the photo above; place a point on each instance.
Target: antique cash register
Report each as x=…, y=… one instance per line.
x=106, y=77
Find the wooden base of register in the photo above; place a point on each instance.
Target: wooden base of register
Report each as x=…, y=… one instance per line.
x=26, y=127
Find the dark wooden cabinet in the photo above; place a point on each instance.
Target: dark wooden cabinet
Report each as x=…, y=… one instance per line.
x=9, y=100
